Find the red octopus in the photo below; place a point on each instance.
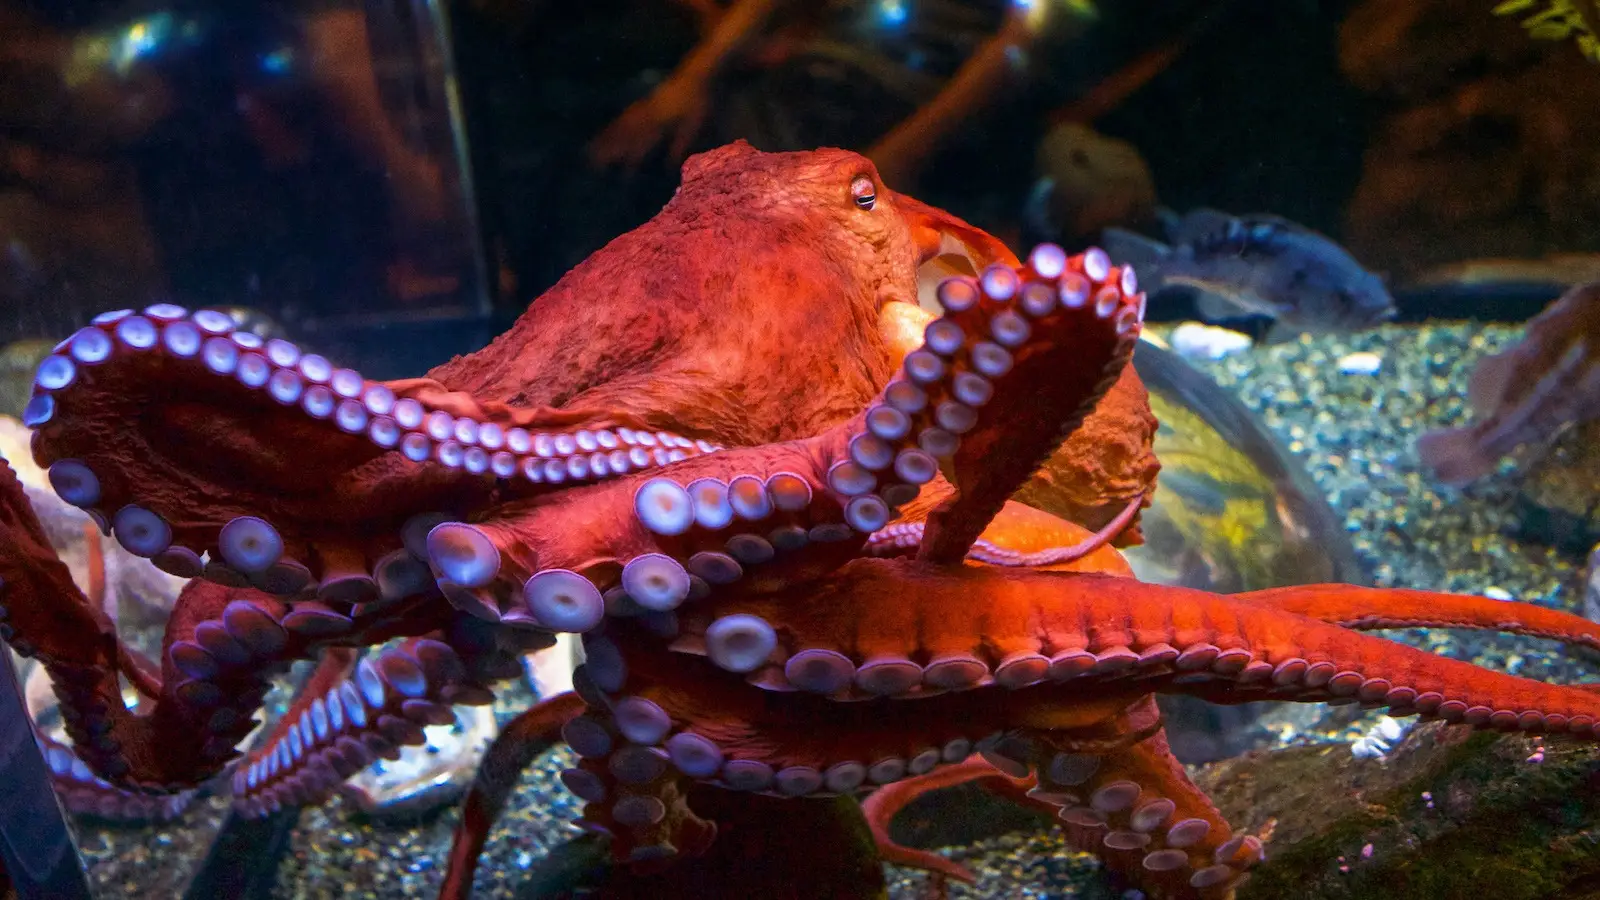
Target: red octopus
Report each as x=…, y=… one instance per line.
x=789, y=545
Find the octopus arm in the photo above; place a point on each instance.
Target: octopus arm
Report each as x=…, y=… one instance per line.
x=349, y=714
x=147, y=420
x=1023, y=536
x=522, y=740
x=1378, y=608
x=892, y=628
x=882, y=805
x=221, y=646
x=1018, y=361
x=33, y=570
x=1103, y=466
x=1099, y=761
x=85, y=793
x=776, y=515
x=762, y=516
x=1138, y=811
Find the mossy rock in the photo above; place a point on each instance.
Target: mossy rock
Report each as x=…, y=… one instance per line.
x=1449, y=814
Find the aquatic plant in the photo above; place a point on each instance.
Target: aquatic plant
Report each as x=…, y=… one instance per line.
x=1561, y=19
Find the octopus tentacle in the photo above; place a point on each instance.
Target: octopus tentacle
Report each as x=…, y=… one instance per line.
x=700, y=522
x=882, y=805
x=86, y=793
x=1016, y=383
x=640, y=801
x=211, y=400
x=516, y=747
x=1363, y=609
x=332, y=667
x=41, y=596
x=348, y=715
x=664, y=539
x=1127, y=800
x=222, y=644
x=1138, y=811
x=653, y=719
x=626, y=775
x=1020, y=536
x=733, y=728
x=1105, y=463
x=1098, y=630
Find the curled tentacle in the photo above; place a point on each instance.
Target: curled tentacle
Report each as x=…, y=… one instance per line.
x=349, y=714
x=1016, y=362
x=337, y=462
x=882, y=805
x=221, y=647
x=1105, y=463
x=1020, y=536
x=86, y=793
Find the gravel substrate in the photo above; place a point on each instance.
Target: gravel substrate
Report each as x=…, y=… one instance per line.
x=1354, y=432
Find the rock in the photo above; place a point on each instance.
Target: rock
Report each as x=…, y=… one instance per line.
x=1361, y=363
x=1448, y=813
x=1485, y=151
x=1196, y=340
x=1556, y=501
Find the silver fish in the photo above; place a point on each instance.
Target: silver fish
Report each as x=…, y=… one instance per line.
x=1257, y=265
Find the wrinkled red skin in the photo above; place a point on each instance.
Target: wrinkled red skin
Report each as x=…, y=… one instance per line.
x=748, y=314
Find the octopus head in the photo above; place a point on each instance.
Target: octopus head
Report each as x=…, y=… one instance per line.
x=828, y=204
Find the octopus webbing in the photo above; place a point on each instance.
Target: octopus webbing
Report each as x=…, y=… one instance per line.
x=785, y=533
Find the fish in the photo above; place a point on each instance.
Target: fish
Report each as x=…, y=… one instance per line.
x=1527, y=394
x=1257, y=265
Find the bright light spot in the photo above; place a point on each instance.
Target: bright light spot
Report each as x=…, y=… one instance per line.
x=142, y=39
x=893, y=12
x=277, y=62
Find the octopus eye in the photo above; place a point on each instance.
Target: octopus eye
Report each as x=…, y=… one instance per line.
x=864, y=192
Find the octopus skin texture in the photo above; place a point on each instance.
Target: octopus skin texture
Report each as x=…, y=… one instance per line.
x=786, y=534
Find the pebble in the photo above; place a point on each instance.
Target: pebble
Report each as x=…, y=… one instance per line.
x=1194, y=340
x=1360, y=363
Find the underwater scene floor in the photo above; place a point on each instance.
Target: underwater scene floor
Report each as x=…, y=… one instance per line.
x=1354, y=430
